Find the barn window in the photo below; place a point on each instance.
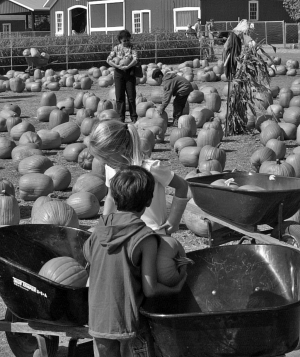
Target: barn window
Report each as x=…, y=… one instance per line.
x=184, y=16
x=253, y=10
x=107, y=15
x=141, y=21
x=6, y=28
x=59, y=23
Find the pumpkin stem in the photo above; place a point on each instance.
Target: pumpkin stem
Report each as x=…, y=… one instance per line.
x=180, y=261
x=4, y=193
x=219, y=145
x=278, y=162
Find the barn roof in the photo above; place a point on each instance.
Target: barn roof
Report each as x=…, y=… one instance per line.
x=31, y=5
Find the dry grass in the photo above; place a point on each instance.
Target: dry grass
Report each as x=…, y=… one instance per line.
x=238, y=150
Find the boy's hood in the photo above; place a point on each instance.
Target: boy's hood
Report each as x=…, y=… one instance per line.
x=114, y=229
x=169, y=75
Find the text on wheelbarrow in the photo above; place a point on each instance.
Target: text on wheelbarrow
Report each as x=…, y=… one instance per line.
x=23, y=285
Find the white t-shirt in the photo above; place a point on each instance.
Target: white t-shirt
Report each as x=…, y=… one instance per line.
x=156, y=214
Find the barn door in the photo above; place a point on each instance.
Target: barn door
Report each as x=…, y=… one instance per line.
x=146, y=22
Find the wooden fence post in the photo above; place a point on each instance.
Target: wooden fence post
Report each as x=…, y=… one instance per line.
x=11, y=54
x=67, y=52
x=266, y=32
x=284, y=34
x=112, y=42
x=155, y=39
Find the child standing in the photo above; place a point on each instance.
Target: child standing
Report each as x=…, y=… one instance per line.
x=176, y=86
x=118, y=145
x=122, y=254
x=125, y=81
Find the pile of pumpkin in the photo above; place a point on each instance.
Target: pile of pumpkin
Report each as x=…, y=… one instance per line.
x=275, y=67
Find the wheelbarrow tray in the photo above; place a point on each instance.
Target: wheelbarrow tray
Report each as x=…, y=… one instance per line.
x=36, y=61
x=238, y=301
x=24, y=250
x=247, y=208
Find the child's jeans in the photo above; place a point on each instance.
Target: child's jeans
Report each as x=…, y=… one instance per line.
x=178, y=106
x=140, y=346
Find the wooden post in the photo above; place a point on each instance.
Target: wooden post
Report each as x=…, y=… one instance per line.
x=155, y=39
x=67, y=52
x=284, y=34
x=11, y=53
x=298, y=24
x=26, y=21
x=32, y=21
x=266, y=32
x=112, y=41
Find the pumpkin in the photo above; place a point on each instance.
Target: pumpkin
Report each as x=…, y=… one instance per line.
x=261, y=155
x=72, y=151
x=86, y=83
x=16, y=85
x=276, y=110
x=292, y=115
x=82, y=114
x=295, y=101
x=182, y=143
x=85, y=204
x=295, y=88
x=6, y=147
x=201, y=115
x=78, y=101
x=196, y=96
x=189, y=122
x=171, y=261
x=18, y=154
x=91, y=103
x=57, y=117
x=17, y=131
x=294, y=160
x=280, y=70
x=34, y=164
x=263, y=99
x=104, y=105
x=43, y=113
x=91, y=183
x=61, y=177
x=50, y=139
x=34, y=185
x=209, y=152
x=277, y=167
x=30, y=137
x=12, y=107
x=253, y=188
x=177, y=133
x=9, y=209
x=208, y=137
x=67, y=104
x=56, y=212
x=214, y=123
x=85, y=159
x=189, y=156
x=48, y=99
x=278, y=147
x=108, y=114
x=98, y=168
x=272, y=131
x=39, y=202
x=65, y=271
x=142, y=108
x=69, y=132
x=209, y=165
x=156, y=95
x=213, y=101
x=289, y=130
x=259, y=124
x=87, y=125
x=11, y=122
x=230, y=183
x=285, y=96
x=195, y=222
x=144, y=123
x=7, y=186
x=275, y=91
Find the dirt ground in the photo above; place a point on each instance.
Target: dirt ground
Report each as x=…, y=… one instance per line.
x=238, y=150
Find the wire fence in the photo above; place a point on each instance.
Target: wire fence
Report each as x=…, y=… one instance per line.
x=84, y=51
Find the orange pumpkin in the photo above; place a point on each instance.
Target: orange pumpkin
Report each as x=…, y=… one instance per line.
x=65, y=271
x=85, y=204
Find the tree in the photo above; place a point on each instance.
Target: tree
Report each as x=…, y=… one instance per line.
x=293, y=9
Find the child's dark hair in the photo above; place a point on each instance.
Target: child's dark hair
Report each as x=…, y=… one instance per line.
x=156, y=73
x=123, y=34
x=132, y=188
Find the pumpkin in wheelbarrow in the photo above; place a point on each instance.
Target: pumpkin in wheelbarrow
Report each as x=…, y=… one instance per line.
x=66, y=271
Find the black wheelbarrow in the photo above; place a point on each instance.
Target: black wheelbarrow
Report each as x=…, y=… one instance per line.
x=238, y=301
x=29, y=296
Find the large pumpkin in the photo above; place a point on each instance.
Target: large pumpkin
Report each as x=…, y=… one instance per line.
x=18, y=154
x=48, y=99
x=292, y=115
x=278, y=147
x=189, y=156
x=213, y=101
x=285, y=96
x=50, y=139
x=65, y=271
x=17, y=131
x=91, y=183
x=6, y=147
x=201, y=115
x=11, y=122
x=7, y=186
x=34, y=185
x=9, y=209
x=57, y=117
x=294, y=160
x=189, y=122
x=182, y=143
x=69, y=132
x=178, y=133
x=289, y=130
x=85, y=159
x=34, y=164
x=272, y=131
x=56, y=212
x=142, y=108
x=196, y=96
x=209, y=152
x=261, y=155
x=60, y=175
x=208, y=137
x=171, y=261
x=277, y=167
x=30, y=137
x=72, y=151
x=85, y=204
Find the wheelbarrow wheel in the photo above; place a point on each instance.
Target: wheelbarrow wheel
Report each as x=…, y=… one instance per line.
x=24, y=344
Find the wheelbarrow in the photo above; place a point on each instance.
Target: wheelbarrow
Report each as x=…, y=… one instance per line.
x=36, y=63
x=36, y=305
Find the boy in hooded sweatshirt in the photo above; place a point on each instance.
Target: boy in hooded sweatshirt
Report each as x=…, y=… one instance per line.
x=176, y=86
x=122, y=254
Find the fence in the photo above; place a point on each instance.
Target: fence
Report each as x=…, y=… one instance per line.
x=84, y=51
x=274, y=32
x=14, y=34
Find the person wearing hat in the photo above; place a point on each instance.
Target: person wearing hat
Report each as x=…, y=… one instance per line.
x=176, y=86
x=190, y=32
x=198, y=28
x=211, y=33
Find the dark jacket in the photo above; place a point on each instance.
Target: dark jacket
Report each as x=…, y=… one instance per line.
x=174, y=86
x=115, y=287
